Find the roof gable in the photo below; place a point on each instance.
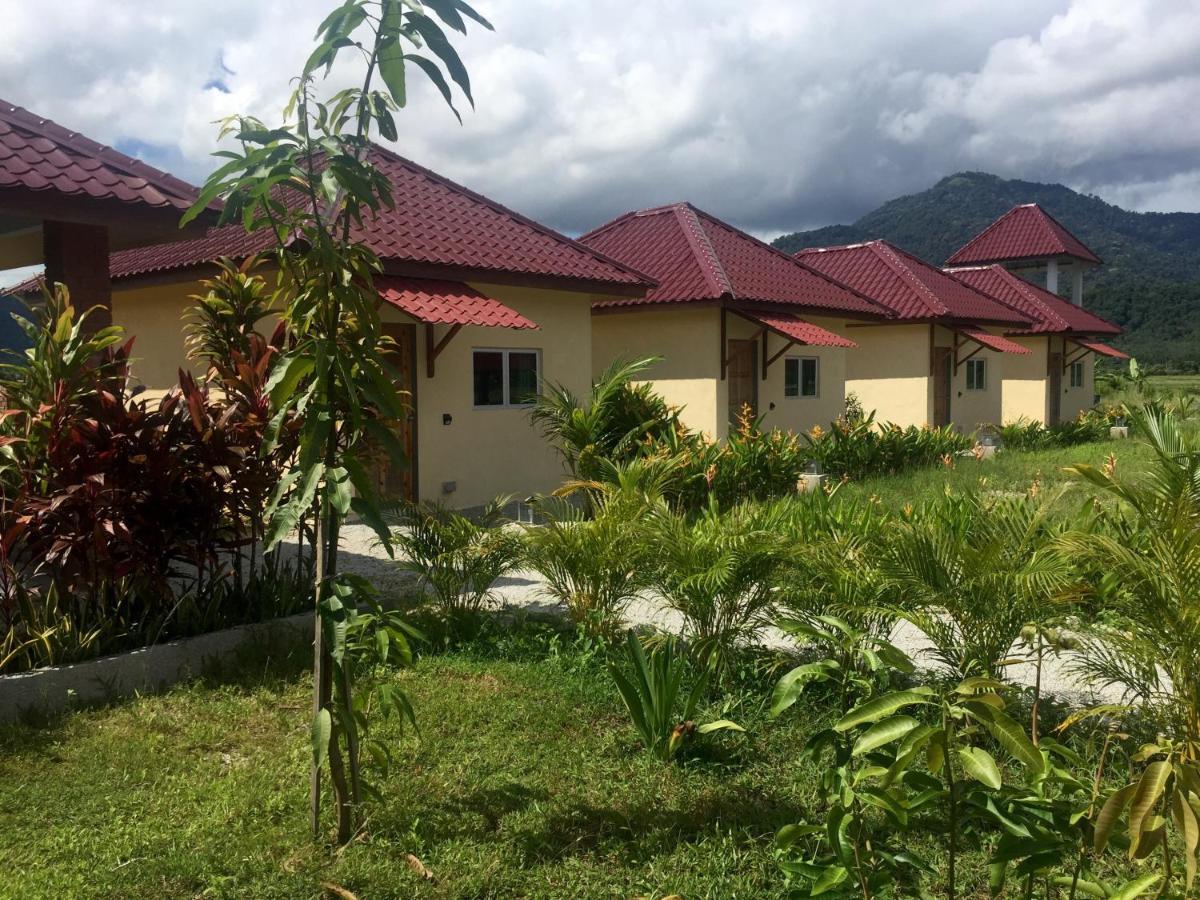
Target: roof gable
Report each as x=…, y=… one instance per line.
x=1024, y=232
x=1050, y=313
x=908, y=286
x=695, y=256
x=435, y=222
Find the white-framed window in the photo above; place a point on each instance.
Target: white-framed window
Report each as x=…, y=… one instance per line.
x=1077, y=374
x=801, y=376
x=976, y=374
x=504, y=378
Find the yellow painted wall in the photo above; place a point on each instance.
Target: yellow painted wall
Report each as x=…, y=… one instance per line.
x=1026, y=382
x=489, y=452
x=687, y=340
x=889, y=372
x=1076, y=400
x=970, y=409
x=796, y=413
x=154, y=316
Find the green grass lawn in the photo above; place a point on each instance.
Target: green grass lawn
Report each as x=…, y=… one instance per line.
x=1189, y=384
x=526, y=781
x=1011, y=471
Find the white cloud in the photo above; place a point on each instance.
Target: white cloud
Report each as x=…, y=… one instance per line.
x=775, y=114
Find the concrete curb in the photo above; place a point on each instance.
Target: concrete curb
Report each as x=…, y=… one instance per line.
x=46, y=692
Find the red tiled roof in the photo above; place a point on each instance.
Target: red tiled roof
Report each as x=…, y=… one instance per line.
x=798, y=330
x=1024, y=232
x=434, y=222
x=1051, y=314
x=695, y=256
x=1102, y=349
x=39, y=155
x=448, y=303
x=992, y=341
x=908, y=286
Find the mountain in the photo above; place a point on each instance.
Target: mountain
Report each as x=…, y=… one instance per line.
x=1149, y=283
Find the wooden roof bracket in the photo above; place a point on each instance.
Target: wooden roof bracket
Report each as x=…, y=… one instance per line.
x=434, y=350
x=767, y=361
x=958, y=345
x=1069, y=361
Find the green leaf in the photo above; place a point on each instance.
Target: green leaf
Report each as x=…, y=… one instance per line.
x=1010, y=736
x=791, y=685
x=1149, y=789
x=830, y=878
x=1136, y=887
x=322, y=727
x=978, y=763
x=1110, y=814
x=876, y=709
x=285, y=378
x=719, y=725
x=884, y=732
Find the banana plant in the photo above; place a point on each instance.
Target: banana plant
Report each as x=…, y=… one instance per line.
x=651, y=694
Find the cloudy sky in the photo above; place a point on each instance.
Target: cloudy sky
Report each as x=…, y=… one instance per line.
x=774, y=114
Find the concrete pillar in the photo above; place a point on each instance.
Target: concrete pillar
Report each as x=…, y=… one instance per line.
x=1077, y=285
x=1052, y=276
x=77, y=256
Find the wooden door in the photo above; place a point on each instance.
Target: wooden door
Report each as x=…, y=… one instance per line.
x=397, y=477
x=1054, y=388
x=941, y=369
x=742, y=375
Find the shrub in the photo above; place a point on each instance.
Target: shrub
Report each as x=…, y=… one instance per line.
x=595, y=565
x=971, y=572
x=1087, y=427
x=755, y=465
x=457, y=558
x=718, y=571
x=614, y=423
x=861, y=449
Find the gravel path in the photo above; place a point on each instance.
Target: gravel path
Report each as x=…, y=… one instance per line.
x=523, y=591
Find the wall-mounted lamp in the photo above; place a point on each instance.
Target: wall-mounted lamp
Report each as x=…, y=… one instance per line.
x=447, y=418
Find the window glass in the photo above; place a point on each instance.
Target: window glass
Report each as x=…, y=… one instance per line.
x=976, y=374
x=489, y=378
x=808, y=377
x=791, y=377
x=1077, y=374
x=522, y=376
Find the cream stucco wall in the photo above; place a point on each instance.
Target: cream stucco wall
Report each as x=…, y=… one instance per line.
x=795, y=413
x=687, y=341
x=497, y=451
x=154, y=316
x=1026, y=382
x=486, y=452
x=971, y=408
x=889, y=372
x=1076, y=400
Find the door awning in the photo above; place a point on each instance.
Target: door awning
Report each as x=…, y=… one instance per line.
x=448, y=303
x=991, y=341
x=796, y=330
x=1102, y=349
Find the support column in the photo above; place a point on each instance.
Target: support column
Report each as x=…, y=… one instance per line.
x=1077, y=285
x=77, y=256
x=1052, y=275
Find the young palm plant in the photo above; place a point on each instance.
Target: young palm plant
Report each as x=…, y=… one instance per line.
x=971, y=572
x=720, y=573
x=1147, y=565
x=457, y=558
x=593, y=563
